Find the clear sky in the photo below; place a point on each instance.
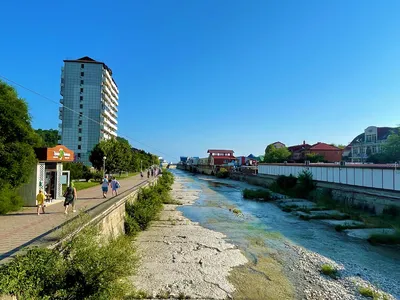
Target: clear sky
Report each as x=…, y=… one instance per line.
x=205, y=74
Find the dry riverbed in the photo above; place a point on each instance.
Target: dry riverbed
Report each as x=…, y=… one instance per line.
x=180, y=259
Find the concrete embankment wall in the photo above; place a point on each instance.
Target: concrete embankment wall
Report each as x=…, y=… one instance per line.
x=367, y=197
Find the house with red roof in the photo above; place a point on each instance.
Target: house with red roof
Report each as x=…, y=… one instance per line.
x=299, y=152
x=329, y=152
x=221, y=157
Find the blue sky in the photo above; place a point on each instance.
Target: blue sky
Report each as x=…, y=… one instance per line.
x=205, y=74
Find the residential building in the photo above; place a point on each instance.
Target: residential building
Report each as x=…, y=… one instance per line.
x=221, y=157
x=89, y=105
x=328, y=152
x=204, y=161
x=369, y=142
x=299, y=152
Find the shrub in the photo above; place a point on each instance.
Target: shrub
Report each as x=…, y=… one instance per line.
x=90, y=267
x=256, y=194
x=286, y=182
x=388, y=239
x=222, y=173
x=10, y=200
x=329, y=271
x=236, y=211
x=305, y=184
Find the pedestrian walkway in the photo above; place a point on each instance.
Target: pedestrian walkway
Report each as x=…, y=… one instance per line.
x=23, y=228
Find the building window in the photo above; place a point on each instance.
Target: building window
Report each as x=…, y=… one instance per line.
x=79, y=139
x=79, y=155
x=82, y=74
x=81, y=81
x=81, y=90
x=80, y=106
x=79, y=147
x=80, y=130
x=80, y=122
x=80, y=114
x=82, y=66
x=81, y=98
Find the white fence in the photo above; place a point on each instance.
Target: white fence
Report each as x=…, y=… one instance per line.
x=380, y=177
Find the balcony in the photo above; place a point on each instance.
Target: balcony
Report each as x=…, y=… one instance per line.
x=62, y=101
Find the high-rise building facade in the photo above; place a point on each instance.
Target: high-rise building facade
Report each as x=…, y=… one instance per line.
x=89, y=105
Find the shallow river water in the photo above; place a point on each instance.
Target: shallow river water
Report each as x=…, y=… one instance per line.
x=378, y=265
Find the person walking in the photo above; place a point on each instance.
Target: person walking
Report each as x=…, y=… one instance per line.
x=141, y=174
x=40, y=201
x=148, y=173
x=70, y=198
x=104, y=186
x=152, y=172
x=115, y=185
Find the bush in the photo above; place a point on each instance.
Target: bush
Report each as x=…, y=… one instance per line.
x=388, y=239
x=329, y=271
x=222, y=173
x=366, y=292
x=257, y=194
x=286, y=182
x=10, y=200
x=148, y=204
x=305, y=184
x=90, y=267
x=392, y=211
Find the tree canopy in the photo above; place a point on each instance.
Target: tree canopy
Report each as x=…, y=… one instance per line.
x=120, y=156
x=17, y=139
x=49, y=137
x=390, y=150
x=276, y=155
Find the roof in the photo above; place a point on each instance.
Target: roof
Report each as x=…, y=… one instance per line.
x=251, y=156
x=296, y=148
x=224, y=157
x=88, y=59
x=220, y=151
x=324, y=146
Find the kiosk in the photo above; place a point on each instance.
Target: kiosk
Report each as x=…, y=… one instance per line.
x=48, y=174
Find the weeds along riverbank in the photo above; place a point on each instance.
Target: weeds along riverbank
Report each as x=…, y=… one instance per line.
x=89, y=265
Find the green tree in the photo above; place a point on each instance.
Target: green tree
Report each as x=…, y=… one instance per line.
x=276, y=155
x=341, y=146
x=392, y=146
x=314, y=157
x=17, y=139
x=77, y=170
x=118, y=156
x=48, y=136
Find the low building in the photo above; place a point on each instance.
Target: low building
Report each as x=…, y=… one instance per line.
x=48, y=174
x=299, y=152
x=204, y=161
x=369, y=142
x=328, y=152
x=221, y=157
x=278, y=145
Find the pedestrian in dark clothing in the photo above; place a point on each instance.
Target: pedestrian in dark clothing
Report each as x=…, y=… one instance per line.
x=148, y=173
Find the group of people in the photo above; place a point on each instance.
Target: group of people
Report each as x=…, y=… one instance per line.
x=153, y=171
x=113, y=183
x=70, y=196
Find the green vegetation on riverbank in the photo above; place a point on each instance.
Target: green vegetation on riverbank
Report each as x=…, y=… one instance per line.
x=329, y=270
x=258, y=194
x=148, y=204
x=89, y=267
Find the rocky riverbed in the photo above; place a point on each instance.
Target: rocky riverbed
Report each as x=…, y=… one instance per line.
x=181, y=259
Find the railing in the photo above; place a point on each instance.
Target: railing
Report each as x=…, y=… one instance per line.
x=385, y=177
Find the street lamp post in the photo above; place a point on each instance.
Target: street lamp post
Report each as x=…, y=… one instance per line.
x=104, y=166
x=140, y=165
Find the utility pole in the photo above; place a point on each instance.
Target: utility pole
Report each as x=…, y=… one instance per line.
x=140, y=165
x=104, y=166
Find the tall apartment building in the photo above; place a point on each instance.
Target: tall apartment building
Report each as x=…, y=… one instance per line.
x=89, y=105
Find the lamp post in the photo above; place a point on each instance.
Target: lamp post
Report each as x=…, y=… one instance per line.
x=104, y=166
x=140, y=165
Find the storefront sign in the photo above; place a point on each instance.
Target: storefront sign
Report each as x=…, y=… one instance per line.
x=60, y=153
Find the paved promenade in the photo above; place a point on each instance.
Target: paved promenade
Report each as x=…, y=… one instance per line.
x=25, y=227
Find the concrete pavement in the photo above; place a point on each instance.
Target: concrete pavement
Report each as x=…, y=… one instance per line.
x=25, y=228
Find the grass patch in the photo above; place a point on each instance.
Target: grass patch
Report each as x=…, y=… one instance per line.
x=258, y=194
x=387, y=239
x=367, y=292
x=236, y=211
x=329, y=270
x=325, y=217
x=82, y=185
x=123, y=176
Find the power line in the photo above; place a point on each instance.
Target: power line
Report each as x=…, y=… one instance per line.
x=82, y=115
